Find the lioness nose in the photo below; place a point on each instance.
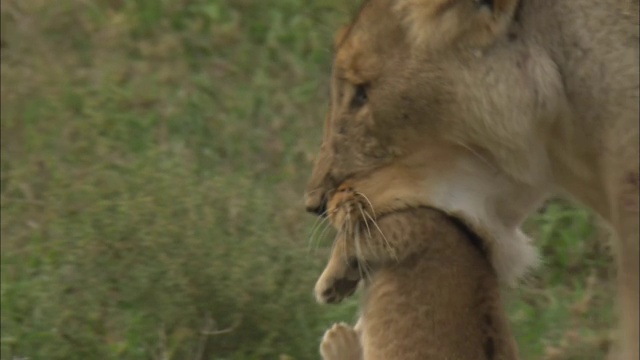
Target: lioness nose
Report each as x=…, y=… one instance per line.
x=316, y=203
x=320, y=210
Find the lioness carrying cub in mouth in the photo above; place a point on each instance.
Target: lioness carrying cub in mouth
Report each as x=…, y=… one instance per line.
x=483, y=109
x=430, y=291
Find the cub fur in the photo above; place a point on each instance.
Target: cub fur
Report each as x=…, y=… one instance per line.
x=430, y=291
x=484, y=109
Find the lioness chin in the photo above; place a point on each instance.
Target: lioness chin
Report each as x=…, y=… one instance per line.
x=430, y=291
x=484, y=109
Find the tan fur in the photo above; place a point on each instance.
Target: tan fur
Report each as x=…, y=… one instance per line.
x=484, y=112
x=430, y=293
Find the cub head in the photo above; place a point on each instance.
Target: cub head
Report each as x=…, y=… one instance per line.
x=441, y=103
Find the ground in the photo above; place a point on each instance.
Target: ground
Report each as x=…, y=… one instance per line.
x=154, y=155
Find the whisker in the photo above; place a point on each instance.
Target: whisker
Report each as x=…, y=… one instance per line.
x=336, y=239
x=321, y=217
x=366, y=269
x=368, y=201
x=316, y=226
x=319, y=220
x=347, y=235
x=366, y=222
x=321, y=236
x=364, y=264
x=393, y=253
x=313, y=191
x=339, y=233
x=359, y=254
x=478, y=155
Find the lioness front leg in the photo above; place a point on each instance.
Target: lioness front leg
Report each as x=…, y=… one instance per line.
x=341, y=342
x=628, y=261
x=629, y=299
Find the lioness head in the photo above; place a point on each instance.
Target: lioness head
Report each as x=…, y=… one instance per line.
x=441, y=103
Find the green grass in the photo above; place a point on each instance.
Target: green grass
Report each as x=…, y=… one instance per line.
x=154, y=155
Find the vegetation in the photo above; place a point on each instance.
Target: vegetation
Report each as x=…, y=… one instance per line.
x=154, y=155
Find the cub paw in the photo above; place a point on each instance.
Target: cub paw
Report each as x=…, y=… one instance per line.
x=340, y=342
x=335, y=285
x=335, y=290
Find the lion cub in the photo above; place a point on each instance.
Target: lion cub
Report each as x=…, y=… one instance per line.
x=430, y=291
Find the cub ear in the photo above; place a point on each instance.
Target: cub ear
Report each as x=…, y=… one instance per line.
x=437, y=23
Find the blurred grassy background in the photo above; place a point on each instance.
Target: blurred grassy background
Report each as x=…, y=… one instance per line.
x=154, y=155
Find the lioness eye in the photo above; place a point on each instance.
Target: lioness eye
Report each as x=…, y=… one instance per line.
x=360, y=98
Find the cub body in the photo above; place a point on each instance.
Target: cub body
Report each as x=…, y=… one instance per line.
x=429, y=292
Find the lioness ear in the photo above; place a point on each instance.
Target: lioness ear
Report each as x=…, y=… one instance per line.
x=437, y=23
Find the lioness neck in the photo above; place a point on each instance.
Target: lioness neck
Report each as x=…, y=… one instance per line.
x=598, y=65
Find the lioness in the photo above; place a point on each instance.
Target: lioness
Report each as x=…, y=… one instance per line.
x=430, y=291
x=484, y=109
